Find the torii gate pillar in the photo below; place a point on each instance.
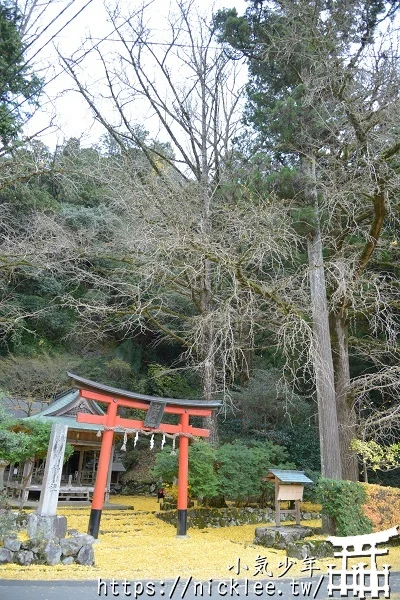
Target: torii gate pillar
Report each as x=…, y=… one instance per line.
x=183, y=477
x=102, y=470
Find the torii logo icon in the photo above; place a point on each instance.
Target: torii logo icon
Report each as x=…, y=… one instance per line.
x=359, y=579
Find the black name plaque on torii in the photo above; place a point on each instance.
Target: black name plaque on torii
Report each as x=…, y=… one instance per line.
x=154, y=414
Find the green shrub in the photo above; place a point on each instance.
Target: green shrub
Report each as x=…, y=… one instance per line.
x=242, y=467
x=22, y=439
x=343, y=502
x=311, y=490
x=8, y=525
x=166, y=466
x=202, y=477
x=8, y=519
x=237, y=472
x=203, y=480
x=234, y=471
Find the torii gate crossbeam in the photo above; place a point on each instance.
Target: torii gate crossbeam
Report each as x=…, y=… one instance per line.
x=155, y=408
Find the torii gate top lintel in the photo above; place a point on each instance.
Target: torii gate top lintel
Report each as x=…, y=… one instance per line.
x=108, y=393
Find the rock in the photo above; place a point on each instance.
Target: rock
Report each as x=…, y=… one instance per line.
x=71, y=546
x=46, y=527
x=24, y=557
x=6, y=556
x=315, y=516
x=32, y=525
x=280, y=537
x=86, y=555
x=52, y=553
x=36, y=545
x=12, y=543
x=72, y=532
x=87, y=538
x=306, y=516
x=265, y=537
x=315, y=549
x=169, y=505
x=77, y=548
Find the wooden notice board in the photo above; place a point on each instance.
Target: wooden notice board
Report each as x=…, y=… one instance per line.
x=290, y=492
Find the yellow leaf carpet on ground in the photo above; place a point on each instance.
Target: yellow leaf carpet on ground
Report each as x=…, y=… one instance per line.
x=134, y=545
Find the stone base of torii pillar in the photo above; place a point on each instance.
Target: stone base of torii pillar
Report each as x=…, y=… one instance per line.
x=46, y=527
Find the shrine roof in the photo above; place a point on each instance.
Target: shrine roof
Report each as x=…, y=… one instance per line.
x=117, y=466
x=71, y=422
x=288, y=476
x=87, y=384
x=65, y=406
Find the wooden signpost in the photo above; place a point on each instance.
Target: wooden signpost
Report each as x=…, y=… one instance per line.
x=155, y=409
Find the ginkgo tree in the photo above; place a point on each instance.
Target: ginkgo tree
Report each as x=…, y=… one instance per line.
x=161, y=268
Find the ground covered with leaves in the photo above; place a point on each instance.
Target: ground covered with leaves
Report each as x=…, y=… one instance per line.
x=133, y=544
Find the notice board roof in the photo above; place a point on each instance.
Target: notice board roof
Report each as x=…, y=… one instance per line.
x=287, y=476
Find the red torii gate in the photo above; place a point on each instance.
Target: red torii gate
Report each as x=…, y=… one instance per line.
x=155, y=408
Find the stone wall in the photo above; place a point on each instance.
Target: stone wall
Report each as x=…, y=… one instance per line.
x=77, y=548
x=49, y=543
x=138, y=488
x=201, y=518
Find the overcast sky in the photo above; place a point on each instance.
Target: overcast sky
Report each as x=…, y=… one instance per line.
x=61, y=104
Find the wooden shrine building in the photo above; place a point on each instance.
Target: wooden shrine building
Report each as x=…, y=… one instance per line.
x=79, y=472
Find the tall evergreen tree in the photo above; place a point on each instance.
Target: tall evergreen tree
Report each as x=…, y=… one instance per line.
x=322, y=97
x=19, y=87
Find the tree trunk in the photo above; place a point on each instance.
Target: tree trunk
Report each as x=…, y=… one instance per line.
x=26, y=481
x=208, y=357
x=211, y=423
x=208, y=379
x=323, y=364
x=208, y=373
x=246, y=354
x=346, y=413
